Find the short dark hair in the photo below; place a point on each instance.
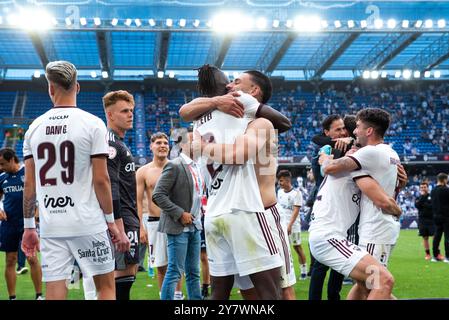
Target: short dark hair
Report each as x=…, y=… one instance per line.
x=441, y=177
x=158, y=135
x=329, y=120
x=377, y=118
x=424, y=183
x=263, y=82
x=8, y=154
x=284, y=174
x=350, y=124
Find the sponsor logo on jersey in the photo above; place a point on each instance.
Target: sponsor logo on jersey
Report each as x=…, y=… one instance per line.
x=61, y=117
x=395, y=161
x=217, y=184
x=12, y=189
x=55, y=203
x=112, y=152
x=356, y=198
x=130, y=167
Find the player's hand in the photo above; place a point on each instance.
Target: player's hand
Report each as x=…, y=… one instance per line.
x=3, y=216
x=289, y=229
x=351, y=151
x=230, y=104
x=186, y=218
x=342, y=144
x=30, y=242
x=324, y=157
x=119, y=238
x=402, y=176
x=143, y=235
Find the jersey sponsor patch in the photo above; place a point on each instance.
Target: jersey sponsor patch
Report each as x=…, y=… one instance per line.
x=112, y=152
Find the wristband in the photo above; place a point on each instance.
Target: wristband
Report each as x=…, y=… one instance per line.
x=29, y=223
x=109, y=217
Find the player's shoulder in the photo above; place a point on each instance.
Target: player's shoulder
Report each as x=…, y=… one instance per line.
x=260, y=123
x=3, y=177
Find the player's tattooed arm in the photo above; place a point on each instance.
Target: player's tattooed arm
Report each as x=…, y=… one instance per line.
x=29, y=192
x=332, y=167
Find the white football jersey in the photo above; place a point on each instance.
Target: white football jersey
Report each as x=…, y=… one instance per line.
x=286, y=202
x=62, y=142
x=336, y=207
x=231, y=187
x=379, y=162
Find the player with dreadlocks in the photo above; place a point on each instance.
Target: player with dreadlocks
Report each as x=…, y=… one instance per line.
x=213, y=82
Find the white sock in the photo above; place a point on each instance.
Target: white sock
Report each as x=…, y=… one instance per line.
x=90, y=292
x=304, y=268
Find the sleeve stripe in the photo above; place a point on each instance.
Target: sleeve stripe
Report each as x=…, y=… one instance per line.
x=28, y=157
x=99, y=155
x=362, y=176
x=356, y=161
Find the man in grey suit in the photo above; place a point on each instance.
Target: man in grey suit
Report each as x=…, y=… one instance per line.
x=178, y=194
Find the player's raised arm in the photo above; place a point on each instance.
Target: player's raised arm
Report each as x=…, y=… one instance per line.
x=279, y=121
x=377, y=195
x=330, y=166
x=197, y=107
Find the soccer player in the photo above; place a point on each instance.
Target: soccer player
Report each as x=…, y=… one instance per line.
x=11, y=215
x=335, y=210
x=119, y=109
x=259, y=86
x=378, y=231
x=290, y=201
x=65, y=152
x=425, y=217
x=235, y=207
x=146, y=178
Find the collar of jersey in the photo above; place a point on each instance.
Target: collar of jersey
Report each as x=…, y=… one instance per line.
x=115, y=134
x=62, y=107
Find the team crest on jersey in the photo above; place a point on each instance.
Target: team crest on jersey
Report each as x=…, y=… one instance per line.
x=112, y=152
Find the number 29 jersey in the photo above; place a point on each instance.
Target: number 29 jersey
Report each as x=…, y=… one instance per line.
x=62, y=142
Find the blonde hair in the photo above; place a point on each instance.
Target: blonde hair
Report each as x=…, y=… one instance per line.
x=61, y=73
x=113, y=97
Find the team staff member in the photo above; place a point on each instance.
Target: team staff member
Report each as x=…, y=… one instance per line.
x=119, y=108
x=425, y=216
x=11, y=215
x=440, y=207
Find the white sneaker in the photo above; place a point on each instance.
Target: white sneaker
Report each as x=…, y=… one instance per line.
x=446, y=260
x=40, y=298
x=22, y=270
x=178, y=296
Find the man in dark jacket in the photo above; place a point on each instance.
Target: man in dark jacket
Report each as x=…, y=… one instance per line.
x=425, y=216
x=440, y=206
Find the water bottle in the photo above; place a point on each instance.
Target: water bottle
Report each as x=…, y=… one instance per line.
x=150, y=270
x=327, y=149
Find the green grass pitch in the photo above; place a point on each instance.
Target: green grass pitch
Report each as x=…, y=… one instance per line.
x=415, y=277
